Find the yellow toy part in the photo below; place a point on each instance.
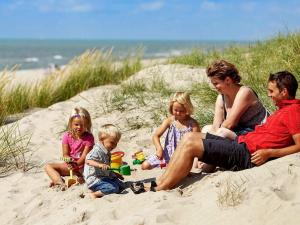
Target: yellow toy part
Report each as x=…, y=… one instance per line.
x=116, y=160
x=140, y=155
x=71, y=180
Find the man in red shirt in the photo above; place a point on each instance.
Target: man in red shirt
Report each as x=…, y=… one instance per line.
x=278, y=137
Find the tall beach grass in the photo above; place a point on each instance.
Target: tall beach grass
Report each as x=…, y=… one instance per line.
x=91, y=69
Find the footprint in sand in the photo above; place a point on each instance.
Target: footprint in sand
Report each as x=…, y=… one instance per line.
x=134, y=220
x=163, y=218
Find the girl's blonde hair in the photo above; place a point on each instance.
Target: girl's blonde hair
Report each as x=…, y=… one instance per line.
x=80, y=112
x=184, y=99
x=110, y=130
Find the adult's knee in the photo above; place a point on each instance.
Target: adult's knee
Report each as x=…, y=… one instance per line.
x=222, y=132
x=190, y=142
x=208, y=129
x=226, y=133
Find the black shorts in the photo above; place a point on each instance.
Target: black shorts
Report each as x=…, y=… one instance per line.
x=226, y=153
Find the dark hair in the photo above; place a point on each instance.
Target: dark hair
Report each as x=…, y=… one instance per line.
x=223, y=69
x=285, y=79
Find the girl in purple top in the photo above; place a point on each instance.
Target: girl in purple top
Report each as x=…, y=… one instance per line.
x=76, y=143
x=177, y=124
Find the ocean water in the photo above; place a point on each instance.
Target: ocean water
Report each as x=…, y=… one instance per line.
x=30, y=54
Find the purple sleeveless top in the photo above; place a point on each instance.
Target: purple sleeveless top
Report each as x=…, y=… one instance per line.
x=173, y=137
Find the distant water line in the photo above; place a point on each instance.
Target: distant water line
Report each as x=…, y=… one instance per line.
x=31, y=54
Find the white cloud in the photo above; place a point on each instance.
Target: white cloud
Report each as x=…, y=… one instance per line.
x=52, y=5
x=151, y=6
x=210, y=5
x=63, y=6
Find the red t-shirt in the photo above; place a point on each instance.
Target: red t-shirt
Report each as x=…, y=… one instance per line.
x=278, y=130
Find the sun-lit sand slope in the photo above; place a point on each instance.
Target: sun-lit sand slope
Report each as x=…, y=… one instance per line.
x=265, y=195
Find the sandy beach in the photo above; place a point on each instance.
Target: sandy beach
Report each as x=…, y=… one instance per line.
x=267, y=195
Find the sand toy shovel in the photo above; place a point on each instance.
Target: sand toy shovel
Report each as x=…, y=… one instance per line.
x=71, y=180
x=124, y=170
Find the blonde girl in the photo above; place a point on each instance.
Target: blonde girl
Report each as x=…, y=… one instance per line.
x=177, y=124
x=76, y=143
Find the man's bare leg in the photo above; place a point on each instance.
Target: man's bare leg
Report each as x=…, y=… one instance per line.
x=182, y=160
x=175, y=157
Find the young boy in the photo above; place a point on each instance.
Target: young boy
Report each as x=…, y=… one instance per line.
x=99, y=179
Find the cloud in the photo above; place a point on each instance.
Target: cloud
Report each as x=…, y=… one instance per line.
x=51, y=5
x=210, y=5
x=151, y=6
x=63, y=6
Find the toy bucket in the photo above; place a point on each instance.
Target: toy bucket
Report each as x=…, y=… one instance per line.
x=116, y=159
x=140, y=156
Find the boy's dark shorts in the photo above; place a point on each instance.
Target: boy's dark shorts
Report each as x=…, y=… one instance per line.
x=226, y=153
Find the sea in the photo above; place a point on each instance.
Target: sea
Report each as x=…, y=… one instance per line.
x=33, y=54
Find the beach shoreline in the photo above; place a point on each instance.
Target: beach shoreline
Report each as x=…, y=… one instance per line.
x=33, y=76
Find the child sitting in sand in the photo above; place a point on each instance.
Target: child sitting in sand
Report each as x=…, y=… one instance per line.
x=99, y=179
x=178, y=123
x=76, y=143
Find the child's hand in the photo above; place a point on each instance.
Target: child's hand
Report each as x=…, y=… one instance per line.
x=159, y=154
x=71, y=165
x=104, y=166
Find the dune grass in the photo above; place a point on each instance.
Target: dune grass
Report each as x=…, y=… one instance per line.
x=13, y=149
x=149, y=98
x=91, y=69
x=255, y=62
x=231, y=192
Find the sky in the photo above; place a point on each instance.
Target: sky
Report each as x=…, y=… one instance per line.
x=148, y=19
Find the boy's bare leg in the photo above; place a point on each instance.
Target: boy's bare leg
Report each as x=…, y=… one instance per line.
x=182, y=160
x=97, y=194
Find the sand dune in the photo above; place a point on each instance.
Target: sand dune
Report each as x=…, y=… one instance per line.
x=264, y=195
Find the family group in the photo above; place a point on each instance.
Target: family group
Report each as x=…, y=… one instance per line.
x=243, y=135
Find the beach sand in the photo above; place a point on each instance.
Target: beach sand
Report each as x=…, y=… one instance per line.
x=268, y=194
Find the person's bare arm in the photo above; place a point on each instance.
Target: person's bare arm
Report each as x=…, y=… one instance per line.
x=158, y=133
x=97, y=164
x=219, y=113
x=261, y=156
x=195, y=126
x=244, y=98
x=66, y=150
x=86, y=150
